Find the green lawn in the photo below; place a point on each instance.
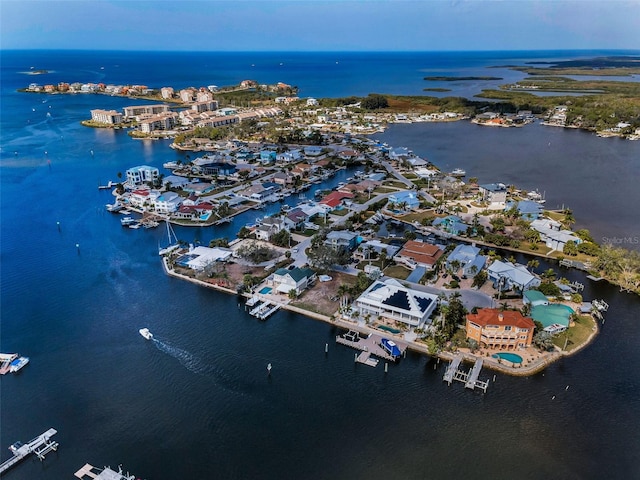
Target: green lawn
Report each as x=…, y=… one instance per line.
x=397, y=271
x=576, y=335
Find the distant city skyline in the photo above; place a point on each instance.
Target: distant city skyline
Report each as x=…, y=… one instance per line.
x=330, y=25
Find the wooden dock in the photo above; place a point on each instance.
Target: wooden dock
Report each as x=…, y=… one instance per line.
x=370, y=344
x=40, y=446
x=365, y=358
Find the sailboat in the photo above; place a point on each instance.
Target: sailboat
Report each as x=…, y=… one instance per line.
x=173, y=241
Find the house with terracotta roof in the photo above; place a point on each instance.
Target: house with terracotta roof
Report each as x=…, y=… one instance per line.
x=500, y=329
x=334, y=199
x=416, y=253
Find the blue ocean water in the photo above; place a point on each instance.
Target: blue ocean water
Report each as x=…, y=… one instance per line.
x=198, y=403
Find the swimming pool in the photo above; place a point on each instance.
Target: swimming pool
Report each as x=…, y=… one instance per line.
x=265, y=290
x=511, y=357
x=552, y=313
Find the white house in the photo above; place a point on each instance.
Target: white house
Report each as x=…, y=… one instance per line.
x=141, y=174
x=495, y=194
x=298, y=279
x=392, y=300
x=168, y=202
x=552, y=234
x=506, y=275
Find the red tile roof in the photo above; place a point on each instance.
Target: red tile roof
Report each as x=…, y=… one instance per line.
x=492, y=316
x=335, y=198
x=421, y=252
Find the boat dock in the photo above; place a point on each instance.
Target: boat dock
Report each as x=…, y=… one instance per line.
x=41, y=445
x=89, y=471
x=369, y=345
x=452, y=368
x=262, y=309
x=470, y=379
x=5, y=361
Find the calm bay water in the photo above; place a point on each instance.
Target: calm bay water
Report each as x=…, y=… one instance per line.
x=198, y=403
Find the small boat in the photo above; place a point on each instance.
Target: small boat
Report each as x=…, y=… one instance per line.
x=115, y=208
x=458, y=172
x=146, y=333
x=18, y=363
x=127, y=221
x=134, y=225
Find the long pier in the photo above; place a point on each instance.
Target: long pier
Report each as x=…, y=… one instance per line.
x=41, y=445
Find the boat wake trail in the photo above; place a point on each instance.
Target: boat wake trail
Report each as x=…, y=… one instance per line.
x=188, y=360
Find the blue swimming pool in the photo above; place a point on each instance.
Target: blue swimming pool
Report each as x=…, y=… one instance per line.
x=511, y=357
x=265, y=290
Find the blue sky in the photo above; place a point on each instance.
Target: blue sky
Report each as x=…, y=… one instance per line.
x=300, y=25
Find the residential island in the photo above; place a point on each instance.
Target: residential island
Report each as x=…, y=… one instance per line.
x=401, y=249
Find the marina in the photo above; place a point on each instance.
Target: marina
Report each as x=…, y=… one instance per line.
x=40, y=446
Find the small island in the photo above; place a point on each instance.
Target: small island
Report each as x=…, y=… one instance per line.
x=454, y=79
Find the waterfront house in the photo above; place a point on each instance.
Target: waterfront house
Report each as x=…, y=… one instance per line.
x=142, y=174
x=400, y=153
x=268, y=227
x=500, y=329
x=342, y=240
x=168, y=202
x=467, y=258
x=297, y=279
x=217, y=168
x=527, y=209
x=390, y=299
x=404, y=200
x=199, y=258
x=506, y=275
x=451, y=224
x=495, y=194
x=295, y=219
x=553, y=235
x=143, y=198
x=416, y=253
x=335, y=199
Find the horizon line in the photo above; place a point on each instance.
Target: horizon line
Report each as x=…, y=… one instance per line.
x=318, y=51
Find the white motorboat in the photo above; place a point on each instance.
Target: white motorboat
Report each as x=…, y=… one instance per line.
x=146, y=333
x=458, y=172
x=18, y=364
